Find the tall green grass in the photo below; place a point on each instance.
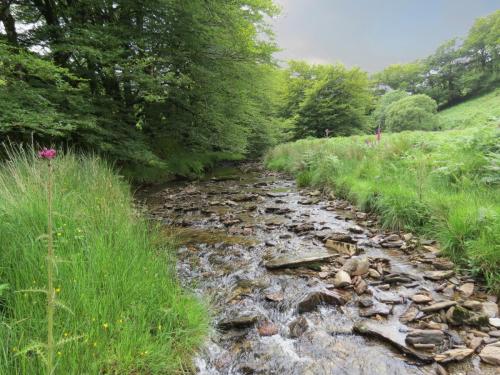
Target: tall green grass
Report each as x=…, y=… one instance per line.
x=440, y=184
x=122, y=310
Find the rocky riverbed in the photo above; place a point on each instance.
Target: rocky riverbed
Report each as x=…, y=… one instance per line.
x=302, y=283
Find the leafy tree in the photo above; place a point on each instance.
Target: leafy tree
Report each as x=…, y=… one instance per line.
x=157, y=80
x=415, y=112
x=405, y=77
x=379, y=114
x=339, y=101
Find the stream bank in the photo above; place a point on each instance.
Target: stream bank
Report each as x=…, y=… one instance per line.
x=303, y=283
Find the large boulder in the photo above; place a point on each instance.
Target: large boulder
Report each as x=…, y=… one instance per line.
x=319, y=297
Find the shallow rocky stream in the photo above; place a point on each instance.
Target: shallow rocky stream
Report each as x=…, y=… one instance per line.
x=302, y=283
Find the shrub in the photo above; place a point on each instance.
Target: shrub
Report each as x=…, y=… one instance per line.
x=416, y=112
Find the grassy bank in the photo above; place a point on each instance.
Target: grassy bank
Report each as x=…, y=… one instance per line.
x=442, y=184
x=482, y=110
x=124, y=311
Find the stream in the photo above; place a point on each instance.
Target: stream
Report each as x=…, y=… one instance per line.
x=267, y=257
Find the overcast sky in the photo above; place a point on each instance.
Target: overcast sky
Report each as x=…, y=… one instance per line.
x=372, y=33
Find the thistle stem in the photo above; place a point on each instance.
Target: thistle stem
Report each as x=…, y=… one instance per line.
x=50, y=279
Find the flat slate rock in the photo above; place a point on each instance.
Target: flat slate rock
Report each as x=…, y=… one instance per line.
x=297, y=260
x=391, y=335
x=438, y=306
x=319, y=297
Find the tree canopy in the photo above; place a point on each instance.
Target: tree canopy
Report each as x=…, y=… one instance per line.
x=139, y=80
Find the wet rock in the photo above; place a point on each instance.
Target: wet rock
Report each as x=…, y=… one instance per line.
x=390, y=298
x=356, y=266
x=474, y=343
x=442, y=264
x=316, y=298
x=361, y=215
x=365, y=302
x=457, y=315
x=342, y=279
x=268, y=329
x=466, y=290
x=412, y=313
x=360, y=285
x=377, y=309
x=275, y=297
x=438, y=306
x=439, y=275
x=374, y=274
x=239, y=322
x=270, y=243
x=392, y=244
x=398, y=278
x=391, y=238
x=298, y=327
x=491, y=354
x=421, y=298
x=425, y=336
x=495, y=322
x=355, y=229
x=342, y=247
x=277, y=210
x=440, y=370
x=490, y=309
x=458, y=354
x=342, y=237
x=494, y=333
x=297, y=261
x=390, y=335
x=473, y=305
x=302, y=228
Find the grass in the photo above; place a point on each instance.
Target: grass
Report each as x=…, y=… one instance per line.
x=440, y=184
x=482, y=110
x=121, y=309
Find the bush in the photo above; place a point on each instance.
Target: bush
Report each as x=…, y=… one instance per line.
x=125, y=311
x=380, y=112
x=416, y=112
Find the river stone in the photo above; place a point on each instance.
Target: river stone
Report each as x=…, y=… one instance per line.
x=360, y=286
x=490, y=309
x=421, y=298
x=376, y=309
x=366, y=302
x=239, y=322
x=391, y=238
x=443, y=264
x=342, y=247
x=392, y=244
x=275, y=297
x=355, y=229
x=438, y=306
x=411, y=314
x=391, y=335
x=458, y=354
x=425, y=336
x=297, y=260
x=439, y=275
x=473, y=305
x=466, y=289
x=457, y=315
x=495, y=322
x=268, y=329
x=298, y=327
x=491, y=354
x=313, y=299
x=374, y=274
x=342, y=279
x=356, y=266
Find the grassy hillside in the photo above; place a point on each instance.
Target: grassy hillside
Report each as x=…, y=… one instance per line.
x=482, y=110
x=441, y=184
x=121, y=309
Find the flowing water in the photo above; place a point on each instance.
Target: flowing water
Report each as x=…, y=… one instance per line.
x=229, y=227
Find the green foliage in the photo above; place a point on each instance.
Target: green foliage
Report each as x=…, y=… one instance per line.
x=118, y=78
x=378, y=116
x=125, y=312
x=415, y=112
x=318, y=98
x=457, y=70
x=482, y=110
x=440, y=184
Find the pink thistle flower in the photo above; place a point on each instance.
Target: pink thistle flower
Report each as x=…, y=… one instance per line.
x=47, y=153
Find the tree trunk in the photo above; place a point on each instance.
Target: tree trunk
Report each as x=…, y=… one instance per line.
x=8, y=21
